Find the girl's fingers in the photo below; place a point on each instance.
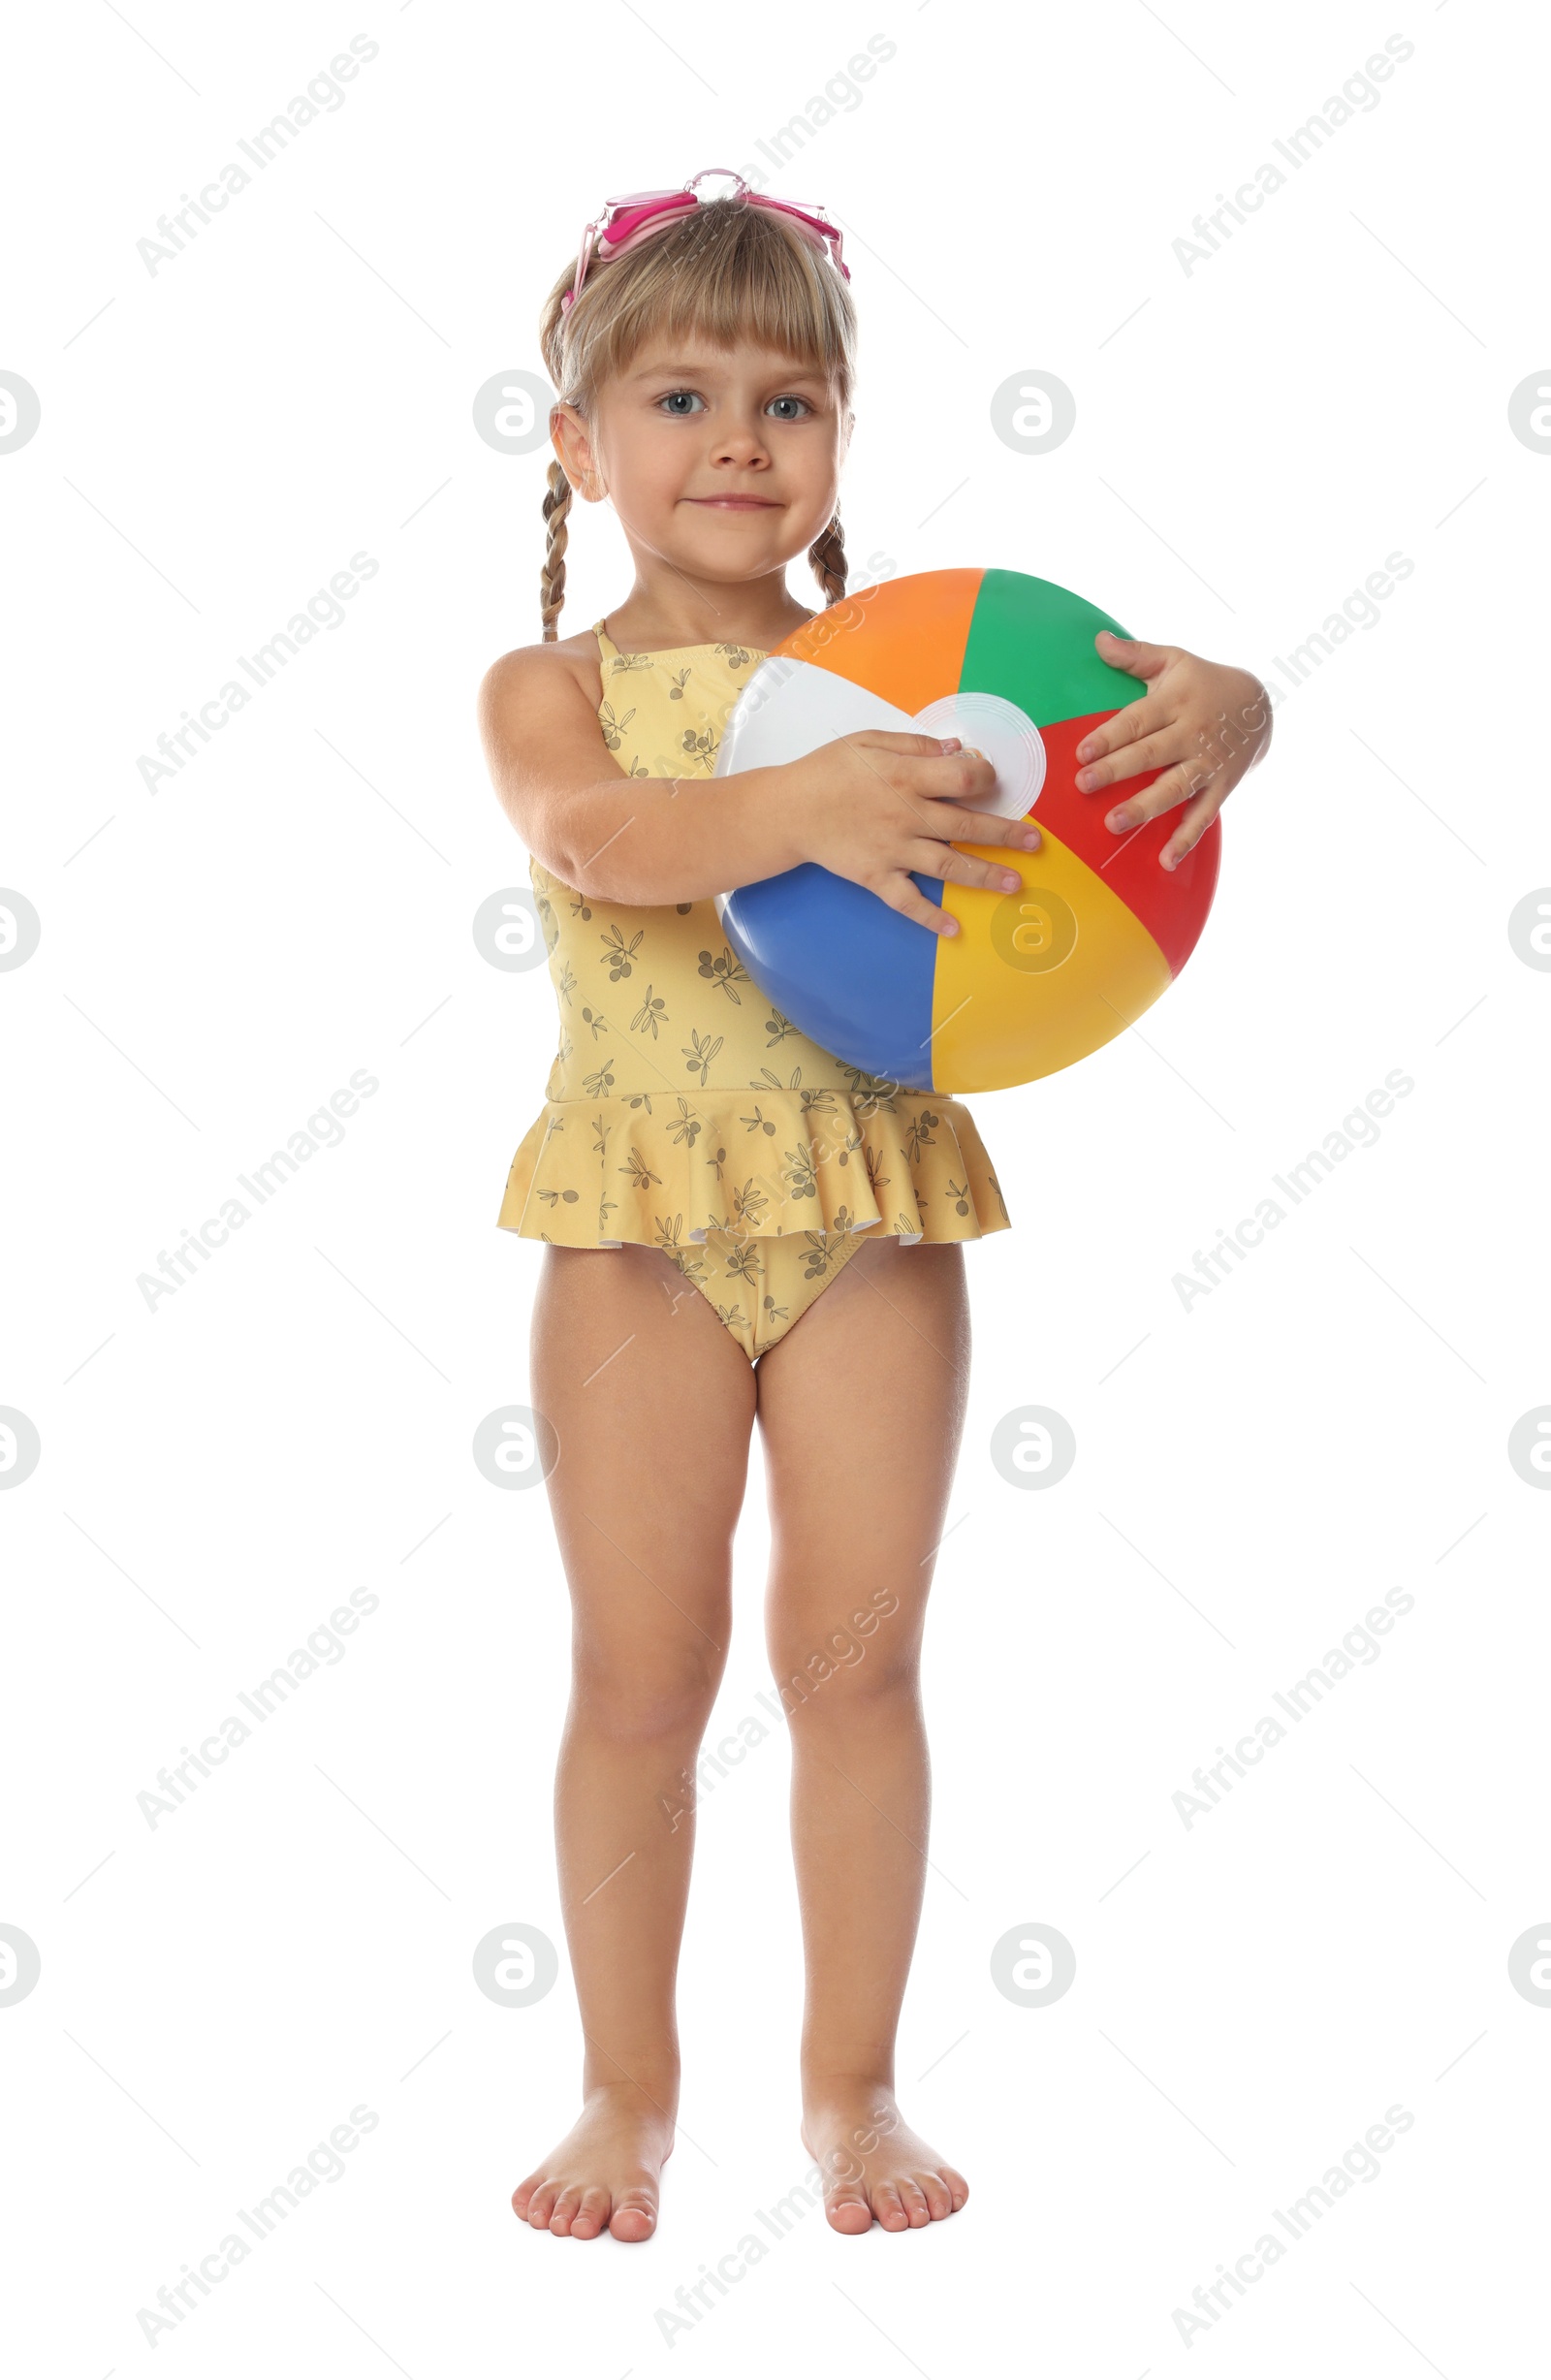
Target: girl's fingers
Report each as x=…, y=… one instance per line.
x=956, y=867
x=902, y=894
x=1139, y=719
x=1129, y=654
x=893, y=739
x=961, y=824
x=951, y=866
x=1154, y=751
x=942, y=776
x=1166, y=792
x=1190, y=829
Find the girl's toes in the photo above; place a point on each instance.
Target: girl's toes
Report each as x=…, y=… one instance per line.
x=888, y=2209
x=635, y=2217
x=591, y=2215
x=849, y=2211
x=912, y=2198
x=958, y=2187
x=521, y=2196
x=935, y=2190
x=541, y=2206
x=565, y=2210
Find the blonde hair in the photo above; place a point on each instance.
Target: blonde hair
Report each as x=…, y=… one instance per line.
x=726, y=273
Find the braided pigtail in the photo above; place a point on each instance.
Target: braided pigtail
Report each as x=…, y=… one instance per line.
x=551, y=575
x=827, y=553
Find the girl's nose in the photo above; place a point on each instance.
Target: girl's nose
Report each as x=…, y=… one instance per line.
x=739, y=444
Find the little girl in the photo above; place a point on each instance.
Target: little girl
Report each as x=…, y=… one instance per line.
x=738, y=1225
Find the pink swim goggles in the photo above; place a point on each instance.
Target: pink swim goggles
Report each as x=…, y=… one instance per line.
x=625, y=222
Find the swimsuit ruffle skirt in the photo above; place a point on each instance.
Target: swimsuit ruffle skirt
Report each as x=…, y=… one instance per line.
x=682, y=1111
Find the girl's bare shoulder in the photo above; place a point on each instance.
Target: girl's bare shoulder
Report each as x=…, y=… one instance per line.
x=535, y=668
x=538, y=719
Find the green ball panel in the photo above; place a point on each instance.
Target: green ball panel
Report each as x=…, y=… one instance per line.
x=1032, y=641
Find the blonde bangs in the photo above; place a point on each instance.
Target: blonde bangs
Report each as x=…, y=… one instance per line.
x=728, y=275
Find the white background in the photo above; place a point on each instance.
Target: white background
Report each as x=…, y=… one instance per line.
x=217, y=958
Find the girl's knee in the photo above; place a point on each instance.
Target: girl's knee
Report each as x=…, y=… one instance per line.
x=646, y=1701
x=874, y=1655
x=825, y=1682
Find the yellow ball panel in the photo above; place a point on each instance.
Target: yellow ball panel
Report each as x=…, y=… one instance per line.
x=1032, y=981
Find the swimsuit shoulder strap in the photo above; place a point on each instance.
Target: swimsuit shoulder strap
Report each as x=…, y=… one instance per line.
x=607, y=647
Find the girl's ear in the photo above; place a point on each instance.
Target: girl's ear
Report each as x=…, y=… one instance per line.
x=568, y=435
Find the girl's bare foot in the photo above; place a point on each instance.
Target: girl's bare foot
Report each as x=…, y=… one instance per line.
x=873, y=2163
x=604, y=2175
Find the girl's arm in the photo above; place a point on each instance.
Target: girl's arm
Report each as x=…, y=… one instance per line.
x=873, y=806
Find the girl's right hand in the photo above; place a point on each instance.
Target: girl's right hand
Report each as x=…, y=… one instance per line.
x=878, y=806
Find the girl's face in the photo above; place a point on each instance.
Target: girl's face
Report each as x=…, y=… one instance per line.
x=726, y=464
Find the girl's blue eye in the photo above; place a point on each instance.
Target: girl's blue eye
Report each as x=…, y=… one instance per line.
x=682, y=414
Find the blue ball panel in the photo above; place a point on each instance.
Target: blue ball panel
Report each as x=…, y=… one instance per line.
x=849, y=971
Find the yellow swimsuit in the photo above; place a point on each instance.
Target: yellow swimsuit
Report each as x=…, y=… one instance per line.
x=684, y=1112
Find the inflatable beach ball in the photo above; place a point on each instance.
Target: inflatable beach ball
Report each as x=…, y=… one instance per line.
x=1033, y=980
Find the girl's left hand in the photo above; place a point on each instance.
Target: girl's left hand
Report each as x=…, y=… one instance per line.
x=1201, y=722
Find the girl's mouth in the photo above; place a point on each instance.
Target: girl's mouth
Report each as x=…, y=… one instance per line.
x=735, y=504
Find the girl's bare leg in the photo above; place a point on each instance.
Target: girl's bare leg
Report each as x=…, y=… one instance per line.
x=861, y=1407
x=653, y=1402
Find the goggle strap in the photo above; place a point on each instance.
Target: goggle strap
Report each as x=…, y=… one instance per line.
x=638, y=214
